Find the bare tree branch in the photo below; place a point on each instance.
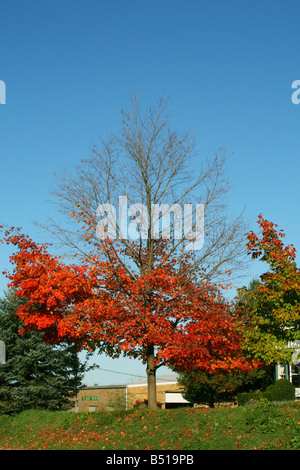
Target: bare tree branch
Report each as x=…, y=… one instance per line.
x=152, y=164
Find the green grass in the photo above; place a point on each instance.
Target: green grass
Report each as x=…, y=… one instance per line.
x=263, y=426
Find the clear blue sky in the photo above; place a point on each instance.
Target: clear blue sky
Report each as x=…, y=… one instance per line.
x=227, y=68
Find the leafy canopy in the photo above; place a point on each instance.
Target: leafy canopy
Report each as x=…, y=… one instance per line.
x=271, y=307
x=189, y=325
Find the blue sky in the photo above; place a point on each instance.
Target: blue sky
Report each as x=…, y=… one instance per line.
x=227, y=68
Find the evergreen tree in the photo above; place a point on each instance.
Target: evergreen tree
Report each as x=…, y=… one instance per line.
x=35, y=374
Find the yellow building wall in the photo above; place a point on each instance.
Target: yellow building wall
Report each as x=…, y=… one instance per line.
x=139, y=393
x=101, y=399
x=118, y=398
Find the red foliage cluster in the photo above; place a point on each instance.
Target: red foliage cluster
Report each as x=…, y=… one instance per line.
x=101, y=305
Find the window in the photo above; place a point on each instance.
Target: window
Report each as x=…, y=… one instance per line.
x=89, y=398
x=295, y=375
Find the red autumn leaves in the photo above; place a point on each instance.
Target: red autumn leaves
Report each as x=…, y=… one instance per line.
x=101, y=305
x=270, y=247
x=51, y=287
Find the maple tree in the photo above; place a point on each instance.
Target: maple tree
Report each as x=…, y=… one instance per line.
x=161, y=317
x=144, y=296
x=271, y=307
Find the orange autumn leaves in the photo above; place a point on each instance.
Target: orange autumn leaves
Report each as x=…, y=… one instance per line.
x=101, y=305
x=270, y=247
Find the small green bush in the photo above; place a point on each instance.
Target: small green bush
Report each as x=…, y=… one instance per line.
x=282, y=390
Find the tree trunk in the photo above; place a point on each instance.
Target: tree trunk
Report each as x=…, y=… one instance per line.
x=151, y=378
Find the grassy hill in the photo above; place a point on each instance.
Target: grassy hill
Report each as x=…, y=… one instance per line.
x=263, y=426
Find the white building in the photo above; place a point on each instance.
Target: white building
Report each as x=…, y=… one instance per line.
x=291, y=370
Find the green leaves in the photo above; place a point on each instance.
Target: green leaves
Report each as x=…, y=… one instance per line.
x=270, y=308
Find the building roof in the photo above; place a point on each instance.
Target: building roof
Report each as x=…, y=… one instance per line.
x=90, y=387
x=160, y=379
x=169, y=378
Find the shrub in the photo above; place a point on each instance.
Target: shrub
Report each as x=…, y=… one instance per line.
x=263, y=416
x=247, y=398
x=282, y=390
